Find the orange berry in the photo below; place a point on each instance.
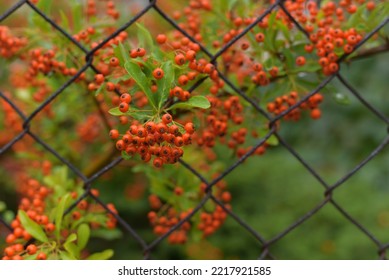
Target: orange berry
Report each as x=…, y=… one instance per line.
x=178, y=191
x=300, y=61
x=114, y=61
x=226, y=197
x=179, y=59
x=260, y=37
x=190, y=55
x=123, y=107
x=183, y=80
x=158, y=73
x=315, y=114
x=167, y=118
x=161, y=38
x=370, y=5
x=41, y=256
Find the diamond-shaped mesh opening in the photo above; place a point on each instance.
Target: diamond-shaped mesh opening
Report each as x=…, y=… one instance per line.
x=370, y=86
x=345, y=127
x=368, y=186
x=35, y=77
x=269, y=219
x=72, y=118
x=333, y=238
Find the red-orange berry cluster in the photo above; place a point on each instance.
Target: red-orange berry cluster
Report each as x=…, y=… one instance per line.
x=221, y=113
x=211, y=221
x=281, y=104
x=9, y=44
x=33, y=203
x=37, y=201
x=162, y=223
x=163, y=140
x=90, y=129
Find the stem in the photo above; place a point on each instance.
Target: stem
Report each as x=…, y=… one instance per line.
x=371, y=52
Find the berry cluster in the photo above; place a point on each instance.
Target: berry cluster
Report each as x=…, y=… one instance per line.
x=325, y=31
x=9, y=44
x=11, y=122
x=163, y=140
x=33, y=203
x=37, y=202
x=90, y=129
x=164, y=216
x=281, y=104
x=163, y=222
x=225, y=113
x=210, y=221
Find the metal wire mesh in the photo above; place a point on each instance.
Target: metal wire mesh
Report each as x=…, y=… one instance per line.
x=264, y=244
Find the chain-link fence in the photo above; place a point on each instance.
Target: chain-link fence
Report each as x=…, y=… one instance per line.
x=264, y=244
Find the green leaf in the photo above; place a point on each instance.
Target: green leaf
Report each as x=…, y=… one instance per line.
x=289, y=58
x=105, y=255
x=195, y=101
x=107, y=234
x=77, y=13
x=72, y=237
x=58, y=180
x=3, y=206
x=144, y=37
x=72, y=249
x=37, y=20
x=310, y=66
x=231, y=4
x=165, y=83
x=64, y=20
x=124, y=52
x=66, y=256
x=32, y=227
x=123, y=78
x=99, y=89
x=159, y=186
x=272, y=140
x=209, y=206
x=141, y=80
x=270, y=37
x=223, y=6
x=45, y=5
x=196, y=236
x=378, y=14
x=121, y=53
x=126, y=156
x=8, y=216
x=284, y=29
x=83, y=234
x=59, y=214
x=272, y=18
x=158, y=54
x=136, y=114
x=116, y=112
x=341, y=98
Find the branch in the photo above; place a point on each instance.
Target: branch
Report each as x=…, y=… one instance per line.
x=371, y=52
